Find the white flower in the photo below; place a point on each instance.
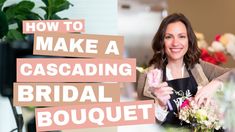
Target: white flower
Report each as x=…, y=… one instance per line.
x=216, y=47
x=199, y=36
x=230, y=37
x=202, y=44
x=230, y=47
x=226, y=38
x=201, y=40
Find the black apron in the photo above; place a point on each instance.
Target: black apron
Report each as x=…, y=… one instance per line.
x=186, y=86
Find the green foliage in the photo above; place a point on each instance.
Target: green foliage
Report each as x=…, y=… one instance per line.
x=54, y=6
x=14, y=34
x=22, y=11
x=1, y=3
x=3, y=25
x=14, y=15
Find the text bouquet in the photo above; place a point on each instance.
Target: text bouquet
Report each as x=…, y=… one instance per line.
x=203, y=118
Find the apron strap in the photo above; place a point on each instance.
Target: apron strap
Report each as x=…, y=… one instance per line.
x=164, y=74
x=189, y=71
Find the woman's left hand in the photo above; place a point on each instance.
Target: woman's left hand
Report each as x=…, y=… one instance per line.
x=204, y=95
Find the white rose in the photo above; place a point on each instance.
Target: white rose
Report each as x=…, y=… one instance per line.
x=216, y=46
x=231, y=49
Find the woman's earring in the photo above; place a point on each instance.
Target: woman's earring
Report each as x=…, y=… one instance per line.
x=164, y=59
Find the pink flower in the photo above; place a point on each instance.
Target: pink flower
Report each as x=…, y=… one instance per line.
x=185, y=104
x=154, y=77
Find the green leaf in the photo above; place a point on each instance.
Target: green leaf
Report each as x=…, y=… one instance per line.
x=10, y=11
x=45, y=2
x=27, y=5
x=23, y=8
x=20, y=17
x=54, y=6
x=15, y=14
x=2, y=3
x=34, y=16
x=61, y=5
x=55, y=17
x=14, y=35
x=3, y=25
x=44, y=8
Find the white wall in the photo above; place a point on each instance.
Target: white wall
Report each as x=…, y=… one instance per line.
x=100, y=15
x=138, y=28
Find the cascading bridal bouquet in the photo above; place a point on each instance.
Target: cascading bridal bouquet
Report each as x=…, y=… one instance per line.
x=202, y=119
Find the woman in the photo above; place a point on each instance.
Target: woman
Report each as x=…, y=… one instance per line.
x=178, y=71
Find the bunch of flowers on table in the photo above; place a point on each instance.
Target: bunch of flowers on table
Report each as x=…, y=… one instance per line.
x=203, y=118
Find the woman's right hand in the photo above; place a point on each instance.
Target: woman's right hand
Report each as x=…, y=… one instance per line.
x=162, y=93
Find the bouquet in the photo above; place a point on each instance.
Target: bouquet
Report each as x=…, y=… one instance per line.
x=202, y=119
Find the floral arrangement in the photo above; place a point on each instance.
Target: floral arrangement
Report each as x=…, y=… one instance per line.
x=202, y=118
x=216, y=52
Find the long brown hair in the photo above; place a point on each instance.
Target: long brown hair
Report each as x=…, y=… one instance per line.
x=159, y=59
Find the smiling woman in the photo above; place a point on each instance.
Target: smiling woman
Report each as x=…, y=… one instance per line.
x=176, y=41
x=178, y=71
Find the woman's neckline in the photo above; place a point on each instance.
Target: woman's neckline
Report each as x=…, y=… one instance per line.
x=169, y=74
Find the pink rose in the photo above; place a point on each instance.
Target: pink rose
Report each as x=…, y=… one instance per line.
x=185, y=103
x=154, y=77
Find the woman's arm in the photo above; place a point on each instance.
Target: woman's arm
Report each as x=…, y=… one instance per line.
x=216, y=76
x=141, y=87
x=144, y=92
x=215, y=72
